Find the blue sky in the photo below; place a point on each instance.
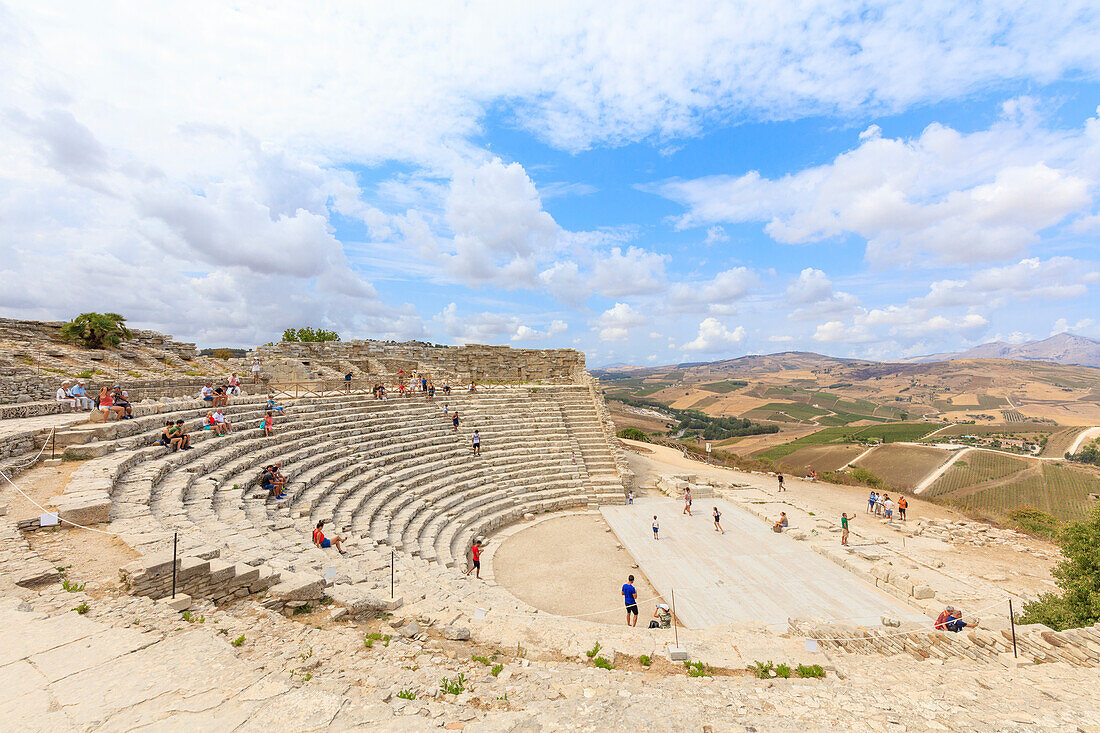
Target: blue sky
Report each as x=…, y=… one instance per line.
x=857, y=179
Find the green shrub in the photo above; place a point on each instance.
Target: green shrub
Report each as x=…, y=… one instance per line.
x=813, y=670
x=407, y=694
x=1077, y=575
x=1035, y=522
x=303, y=609
x=453, y=687
x=594, y=650
x=762, y=670
x=72, y=587
x=866, y=478
x=96, y=330
x=82, y=608
x=603, y=663
x=476, y=658
x=309, y=334
x=633, y=434
x=699, y=669
x=783, y=670
x=238, y=641
x=497, y=669
x=645, y=660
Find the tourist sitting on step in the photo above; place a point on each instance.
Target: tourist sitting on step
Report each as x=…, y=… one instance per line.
x=80, y=394
x=122, y=400
x=446, y=388
x=954, y=621
x=780, y=524
x=269, y=424
x=270, y=484
x=271, y=404
x=662, y=617
x=473, y=387
x=223, y=421
x=221, y=397
x=209, y=423
x=322, y=542
x=168, y=437
x=65, y=397
x=206, y=394
x=107, y=404
x=233, y=386
x=181, y=433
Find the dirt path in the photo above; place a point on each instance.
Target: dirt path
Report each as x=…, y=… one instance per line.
x=1086, y=434
x=861, y=455
x=572, y=566
x=932, y=477
x=88, y=556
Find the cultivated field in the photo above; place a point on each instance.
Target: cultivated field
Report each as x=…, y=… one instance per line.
x=821, y=457
x=903, y=466
x=995, y=484
x=884, y=433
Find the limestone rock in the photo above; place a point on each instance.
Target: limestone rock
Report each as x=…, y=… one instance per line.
x=456, y=633
x=298, y=587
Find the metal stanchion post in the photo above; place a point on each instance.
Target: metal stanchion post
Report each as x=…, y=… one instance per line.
x=175, y=546
x=675, y=631
x=53, y=444
x=1012, y=622
x=391, y=575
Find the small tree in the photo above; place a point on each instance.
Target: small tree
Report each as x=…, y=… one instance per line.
x=309, y=334
x=96, y=330
x=1078, y=577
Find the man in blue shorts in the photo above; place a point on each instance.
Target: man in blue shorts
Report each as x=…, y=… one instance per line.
x=630, y=595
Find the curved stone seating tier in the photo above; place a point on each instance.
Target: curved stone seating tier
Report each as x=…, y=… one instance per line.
x=383, y=472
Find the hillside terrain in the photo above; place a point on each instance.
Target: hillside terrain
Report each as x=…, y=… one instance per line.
x=1062, y=348
x=897, y=426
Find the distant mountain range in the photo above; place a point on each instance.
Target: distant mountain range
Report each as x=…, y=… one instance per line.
x=1063, y=348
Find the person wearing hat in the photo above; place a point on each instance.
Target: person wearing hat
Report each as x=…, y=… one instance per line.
x=80, y=394
x=944, y=617
x=120, y=396
x=65, y=397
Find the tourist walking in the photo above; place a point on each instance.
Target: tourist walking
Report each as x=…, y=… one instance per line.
x=780, y=477
x=269, y=424
x=656, y=528
x=871, y=498
x=454, y=421
x=256, y=369
x=718, y=521
x=687, y=502
x=630, y=497
x=477, y=443
x=844, y=528
x=347, y=383
x=630, y=595
x=475, y=556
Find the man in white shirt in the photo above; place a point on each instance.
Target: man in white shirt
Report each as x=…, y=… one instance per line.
x=65, y=398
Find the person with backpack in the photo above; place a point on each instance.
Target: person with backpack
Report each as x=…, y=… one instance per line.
x=903, y=504
x=662, y=617
x=718, y=521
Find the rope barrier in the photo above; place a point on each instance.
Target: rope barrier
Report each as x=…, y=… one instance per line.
x=43, y=509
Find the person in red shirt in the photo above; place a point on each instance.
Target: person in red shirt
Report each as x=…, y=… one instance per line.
x=475, y=551
x=943, y=618
x=321, y=541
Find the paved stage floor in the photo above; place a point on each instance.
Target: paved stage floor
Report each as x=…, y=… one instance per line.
x=749, y=574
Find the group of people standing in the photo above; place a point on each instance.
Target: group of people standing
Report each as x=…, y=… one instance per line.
x=883, y=506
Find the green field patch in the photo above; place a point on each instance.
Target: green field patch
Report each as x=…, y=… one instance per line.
x=728, y=385
x=799, y=411
x=885, y=433
x=989, y=402
x=703, y=402
x=977, y=467
x=651, y=387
